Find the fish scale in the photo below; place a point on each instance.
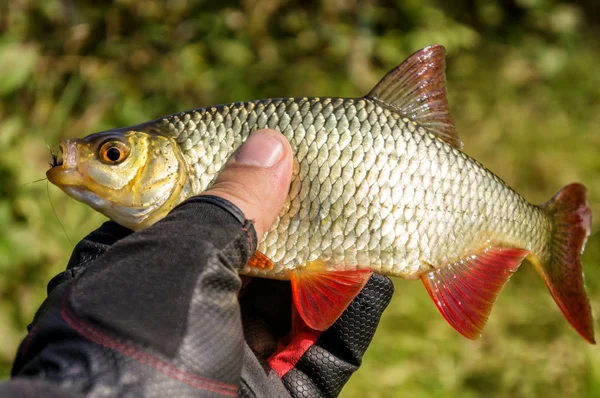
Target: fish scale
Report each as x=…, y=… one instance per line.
x=345, y=205
x=379, y=184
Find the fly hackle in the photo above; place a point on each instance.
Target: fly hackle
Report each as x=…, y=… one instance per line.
x=57, y=159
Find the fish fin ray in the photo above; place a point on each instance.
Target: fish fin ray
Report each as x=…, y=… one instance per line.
x=322, y=294
x=563, y=273
x=465, y=291
x=260, y=261
x=416, y=89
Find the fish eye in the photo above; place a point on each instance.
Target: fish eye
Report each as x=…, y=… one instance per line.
x=113, y=152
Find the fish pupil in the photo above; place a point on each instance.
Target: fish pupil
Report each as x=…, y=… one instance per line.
x=113, y=154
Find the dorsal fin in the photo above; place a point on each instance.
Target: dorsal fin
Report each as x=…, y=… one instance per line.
x=416, y=89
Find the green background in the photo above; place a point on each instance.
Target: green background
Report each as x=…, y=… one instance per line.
x=524, y=88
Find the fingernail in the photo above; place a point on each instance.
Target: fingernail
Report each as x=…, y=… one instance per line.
x=260, y=149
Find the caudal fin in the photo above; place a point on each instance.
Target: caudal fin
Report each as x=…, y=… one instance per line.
x=563, y=274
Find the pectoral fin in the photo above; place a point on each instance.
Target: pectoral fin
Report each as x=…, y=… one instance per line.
x=260, y=261
x=321, y=294
x=465, y=291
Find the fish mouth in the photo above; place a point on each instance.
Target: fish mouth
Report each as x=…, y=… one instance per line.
x=63, y=173
x=62, y=177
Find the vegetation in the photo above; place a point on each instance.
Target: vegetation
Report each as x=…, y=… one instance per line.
x=524, y=92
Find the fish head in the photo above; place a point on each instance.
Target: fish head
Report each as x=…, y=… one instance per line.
x=134, y=178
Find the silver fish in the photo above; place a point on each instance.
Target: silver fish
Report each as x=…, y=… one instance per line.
x=380, y=185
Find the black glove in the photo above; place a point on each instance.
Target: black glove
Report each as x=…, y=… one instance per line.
x=156, y=313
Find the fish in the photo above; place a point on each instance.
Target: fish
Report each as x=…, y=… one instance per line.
x=380, y=184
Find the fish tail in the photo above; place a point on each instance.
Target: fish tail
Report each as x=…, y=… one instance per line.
x=561, y=269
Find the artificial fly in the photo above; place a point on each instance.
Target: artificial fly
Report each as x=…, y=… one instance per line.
x=56, y=159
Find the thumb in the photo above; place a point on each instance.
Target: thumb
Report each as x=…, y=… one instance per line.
x=257, y=179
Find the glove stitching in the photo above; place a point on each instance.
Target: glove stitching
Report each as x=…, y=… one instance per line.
x=93, y=334
x=247, y=236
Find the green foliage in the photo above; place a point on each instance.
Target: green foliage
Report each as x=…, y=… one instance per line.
x=524, y=91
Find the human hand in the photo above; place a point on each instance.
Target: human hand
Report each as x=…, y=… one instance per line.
x=155, y=313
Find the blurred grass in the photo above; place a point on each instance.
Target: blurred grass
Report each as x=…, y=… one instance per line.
x=524, y=91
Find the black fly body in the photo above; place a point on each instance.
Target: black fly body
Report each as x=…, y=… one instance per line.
x=56, y=160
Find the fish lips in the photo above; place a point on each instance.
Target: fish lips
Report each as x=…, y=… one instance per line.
x=74, y=184
x=62, y=177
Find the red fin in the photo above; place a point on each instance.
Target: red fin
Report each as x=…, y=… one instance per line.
x=416, y=89
x=464, y=292
x=321, y=295
x=293, y=346
x=260, y=261
x=562, y=272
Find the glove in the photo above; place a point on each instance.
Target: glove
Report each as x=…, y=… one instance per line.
x=318, y=364
x=156, y=313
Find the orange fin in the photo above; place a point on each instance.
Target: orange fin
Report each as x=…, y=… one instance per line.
x=260, y=261
x=322, y=294
x=562, y=272
x=464, y=292
x=416, y=89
